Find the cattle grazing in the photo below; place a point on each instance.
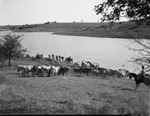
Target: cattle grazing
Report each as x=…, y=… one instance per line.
x=25, y=70
x=55, y=70
x=38, y=70
x=53, y=57
x=114, y=73
x=81, y=70
x=124, y=72
x=63, y=70
x=61, y=58
x=50, y=72
x=46, y=70
x=49, y=56
x=56, y=57
x=102, y=71
x=95, y=72
x=85, y=64
x=77, y=70
x=77, y=64
x=86, y=71
x=22, y=69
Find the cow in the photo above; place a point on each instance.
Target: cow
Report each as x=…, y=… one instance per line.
x=26, y=70
x=77, y=63
x=85, y=70
x=47, y=69
x=124, y=72
x=63, y=70
x=102, y=71
x=55, y=70
x=38, y=70
x=95, y=72
x=77, y=70
x=22, y=69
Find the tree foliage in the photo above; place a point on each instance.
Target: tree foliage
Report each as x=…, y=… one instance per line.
x=112, y=10
x=143, y=51
x=11, y=46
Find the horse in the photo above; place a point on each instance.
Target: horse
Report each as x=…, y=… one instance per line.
x=144, y=79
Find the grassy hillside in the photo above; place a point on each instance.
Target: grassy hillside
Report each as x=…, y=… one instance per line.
x=69, y=94
x=117, y=30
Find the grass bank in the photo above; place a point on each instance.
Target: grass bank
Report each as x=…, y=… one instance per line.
x=117, y=30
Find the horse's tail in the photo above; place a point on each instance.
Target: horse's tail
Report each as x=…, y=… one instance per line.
x=130, y=76
x=147, y=80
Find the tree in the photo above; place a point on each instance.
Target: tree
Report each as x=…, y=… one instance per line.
x=137, y=10
x=2, y=55
x=143, y=57
x=112, y=10
x=12, y=46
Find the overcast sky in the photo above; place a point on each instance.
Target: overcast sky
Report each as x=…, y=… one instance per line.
x=14, y=12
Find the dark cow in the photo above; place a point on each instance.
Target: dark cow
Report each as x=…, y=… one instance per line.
x=86, y=70
x=50, y=72
x=114, y=73
x=38, y=70
x=95, y=72
x=63, y=70
x=102, y=71
x=77, y=70
x=83, y=70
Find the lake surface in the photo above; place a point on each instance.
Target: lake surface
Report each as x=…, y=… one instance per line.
x=108, y=52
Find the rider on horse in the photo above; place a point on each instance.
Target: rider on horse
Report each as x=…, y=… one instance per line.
x=141, y=74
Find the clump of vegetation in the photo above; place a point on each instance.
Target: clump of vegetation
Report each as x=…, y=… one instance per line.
x=10, y=47
x=113, y=10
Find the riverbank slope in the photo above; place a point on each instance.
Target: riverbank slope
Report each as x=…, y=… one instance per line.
x=117, y=30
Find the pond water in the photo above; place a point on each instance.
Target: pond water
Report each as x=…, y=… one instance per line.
x=108, y=52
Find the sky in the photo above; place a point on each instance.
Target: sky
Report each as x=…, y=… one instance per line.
x=18, y=12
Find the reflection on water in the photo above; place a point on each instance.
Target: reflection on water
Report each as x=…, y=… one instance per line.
x=109, y=53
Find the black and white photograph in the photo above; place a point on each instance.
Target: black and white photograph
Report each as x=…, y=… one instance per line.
x=75, y=57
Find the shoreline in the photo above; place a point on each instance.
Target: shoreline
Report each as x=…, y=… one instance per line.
x=124, y=30
x=65, y=34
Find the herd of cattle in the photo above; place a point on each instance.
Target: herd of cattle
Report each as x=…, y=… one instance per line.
x=41, y=70
x=94, y=69
x=49, y=71
x=103, y=72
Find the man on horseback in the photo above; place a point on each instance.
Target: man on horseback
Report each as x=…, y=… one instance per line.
x=141, y=75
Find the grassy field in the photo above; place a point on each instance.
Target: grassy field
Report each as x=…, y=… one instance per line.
x=117, y=30
x=73, y=93
x=70, y=94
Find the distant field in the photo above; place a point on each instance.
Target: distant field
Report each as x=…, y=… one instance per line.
x=70, y=94
x=117, y=30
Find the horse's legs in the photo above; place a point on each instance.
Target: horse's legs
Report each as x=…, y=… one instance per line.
x=148, y=89
x=136, y=86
